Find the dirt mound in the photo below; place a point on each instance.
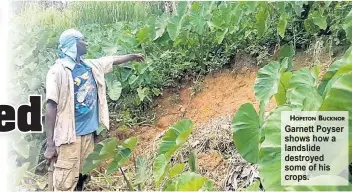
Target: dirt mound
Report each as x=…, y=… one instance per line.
x=221, y=94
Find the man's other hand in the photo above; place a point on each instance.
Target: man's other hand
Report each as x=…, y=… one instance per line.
x=50, y=152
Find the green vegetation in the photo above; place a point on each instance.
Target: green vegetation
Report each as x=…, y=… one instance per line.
x=258, y=140
x=166, y=175
x=196, y=39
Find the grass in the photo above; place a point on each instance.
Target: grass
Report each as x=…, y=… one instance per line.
x=112, y=12
x=83, y=13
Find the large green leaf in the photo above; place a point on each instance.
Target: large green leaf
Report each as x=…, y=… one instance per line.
x=297, y=96
x=302, y=88
x=143, y=35
x=303, y=77
x=175, y=24
x=327, y=3
x=101, y=129
x=261, y=17
x=109, y=148
x=174, y=27
x=151, y=24
x=254, y=187
x=176, y=169
x=92, y=161
x=225, y=8
x=250, y=6
x=245, y=130
x=222, y=17
x=114, y=86
x=142, y=93
x=297, y=6
x=347, y=26
x=159, y=167
x=270, y=151
x=319, y=20
x=132, y=79
x=334, y=67
x=267, y=81
x=237, y=14
x=220, y=35
x=337, y=98
x=209, y=186
x=125, y=150
x=286, y=54
x=160, y=27
x=286, y=50
x=170, y=186
x=187, y=181
x=192, y=161
x=344, y=69
x=197, y=19
x=139, y=67
x=280, y=96
x=217, y=21
x=175, y=137
x=312, y=102
x=310, y=26
x=142, y=170
x=281, y=25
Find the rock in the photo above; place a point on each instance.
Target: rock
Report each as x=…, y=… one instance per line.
x=182, y=109
x=194, y=144
x=225, y=126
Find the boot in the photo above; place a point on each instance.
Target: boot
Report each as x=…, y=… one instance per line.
x=81, y=181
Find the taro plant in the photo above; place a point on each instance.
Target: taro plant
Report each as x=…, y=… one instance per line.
x=258, y=139
x=25, y=162
x=108, y=150
x=173, y=176
x=166, y=176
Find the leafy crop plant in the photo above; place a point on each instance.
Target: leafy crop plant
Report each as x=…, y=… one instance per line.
x=166, y=176
x=258, y=139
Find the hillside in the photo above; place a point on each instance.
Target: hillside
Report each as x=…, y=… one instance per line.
x=211, y=108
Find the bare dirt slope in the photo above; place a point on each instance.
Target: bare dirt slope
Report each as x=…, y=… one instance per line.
x=220, y=94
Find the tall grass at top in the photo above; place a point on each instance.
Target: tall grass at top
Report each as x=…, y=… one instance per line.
x=112, y=12
x=84, y=13
x=36, y=14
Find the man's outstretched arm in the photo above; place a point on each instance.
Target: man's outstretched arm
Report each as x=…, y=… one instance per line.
x=106, y=63
x=126, y=58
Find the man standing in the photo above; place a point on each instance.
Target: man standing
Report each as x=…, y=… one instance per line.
x=76, y=106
